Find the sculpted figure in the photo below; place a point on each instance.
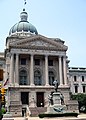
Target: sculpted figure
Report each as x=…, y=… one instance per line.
x=55, y=85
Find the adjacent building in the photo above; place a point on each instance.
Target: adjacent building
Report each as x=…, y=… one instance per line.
x=77, y=79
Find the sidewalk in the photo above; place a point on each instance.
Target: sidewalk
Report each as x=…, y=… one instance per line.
x=80, y=117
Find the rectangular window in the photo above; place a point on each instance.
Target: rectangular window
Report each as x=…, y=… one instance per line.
x=83, y=87
x=23, y=61
x=50, y=62
x=76, y=89
x=75, y=78
x=82, y=78
x=37, y=61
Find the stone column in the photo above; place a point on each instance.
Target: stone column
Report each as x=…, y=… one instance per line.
x=11, y=79
x=46, y=70
x=6, y=73
x=31, y=71
x=71, y=84
x=60, y=71
x=79, y=81
x=17, y=69
x=65, y=70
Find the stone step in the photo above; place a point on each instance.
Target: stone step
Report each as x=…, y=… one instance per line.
x=37, y=110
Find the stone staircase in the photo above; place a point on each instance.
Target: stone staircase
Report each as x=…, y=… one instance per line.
x=35, y=111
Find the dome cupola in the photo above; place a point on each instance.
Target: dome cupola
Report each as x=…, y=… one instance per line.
x=23, y=15
x=23, y=25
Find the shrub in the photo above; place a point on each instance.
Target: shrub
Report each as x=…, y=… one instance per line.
x=58, y=115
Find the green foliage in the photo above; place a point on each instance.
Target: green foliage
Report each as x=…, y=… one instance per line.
x=2, y=111
x=81, y=98
x=58, y=115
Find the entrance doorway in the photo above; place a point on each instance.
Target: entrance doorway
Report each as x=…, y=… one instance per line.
x=25, y=97
x=40, y=99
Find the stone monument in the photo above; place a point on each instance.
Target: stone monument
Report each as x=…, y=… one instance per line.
x=57, y=103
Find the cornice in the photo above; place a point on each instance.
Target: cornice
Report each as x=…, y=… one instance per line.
x=37, y=48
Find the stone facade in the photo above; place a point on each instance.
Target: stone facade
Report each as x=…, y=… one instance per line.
x=32, y=63
x=77, y=80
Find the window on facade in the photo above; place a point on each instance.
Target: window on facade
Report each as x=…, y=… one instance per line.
x=76, y=89
x=82, y=78
x=75, y=79
x=51, y=78
x=23, y=61
x=37, y=61
x=50, y=62
x=23, y=77
x=37, y=78
x=83, y=87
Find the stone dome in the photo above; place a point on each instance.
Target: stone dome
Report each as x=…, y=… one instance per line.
x=23, y=25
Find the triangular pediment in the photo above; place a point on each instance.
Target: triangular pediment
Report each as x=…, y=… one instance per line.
x=38, y=42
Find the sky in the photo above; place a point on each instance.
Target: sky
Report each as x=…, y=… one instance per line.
x=64, y=19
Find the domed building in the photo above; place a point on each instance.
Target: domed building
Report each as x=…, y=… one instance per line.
x=33, y=63
x=23, y=25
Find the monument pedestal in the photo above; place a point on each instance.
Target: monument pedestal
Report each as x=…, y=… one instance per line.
x=56, y=98
x=56, y=109
x=57, y=106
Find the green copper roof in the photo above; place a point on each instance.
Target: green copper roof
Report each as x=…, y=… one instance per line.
x=23, y=25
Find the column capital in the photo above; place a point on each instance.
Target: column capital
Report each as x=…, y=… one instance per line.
x=64, y=57
x=11, y=53
x=17, y=53
x=46, y=55
x=60, y=56
x=31, y=54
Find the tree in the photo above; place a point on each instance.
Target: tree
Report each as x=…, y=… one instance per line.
x=81, y=98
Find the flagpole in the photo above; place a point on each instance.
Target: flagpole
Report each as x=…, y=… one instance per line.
x=25, y=2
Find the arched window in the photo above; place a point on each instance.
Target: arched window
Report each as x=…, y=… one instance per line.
x=37, y=78
x=23, y=77
x=51, y=78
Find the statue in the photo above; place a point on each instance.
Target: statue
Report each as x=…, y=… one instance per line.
x=50, y=97
x=55, y=85
x=62, y=99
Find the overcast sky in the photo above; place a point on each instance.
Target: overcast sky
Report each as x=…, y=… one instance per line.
x=64, y=19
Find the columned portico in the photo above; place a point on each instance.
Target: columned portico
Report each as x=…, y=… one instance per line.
x=11, y=80
x=46, y=70
x=31, y=71
x=60, y=70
